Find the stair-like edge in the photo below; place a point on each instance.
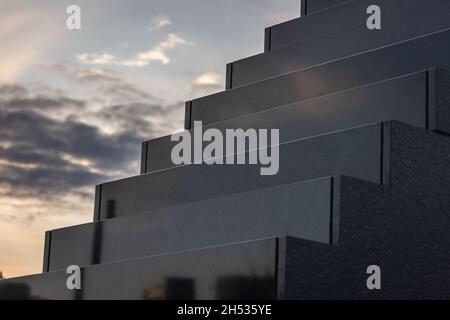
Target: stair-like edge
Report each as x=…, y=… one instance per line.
x=357, y=106
x=329, y=21
x=431, y=51
x=303, y=210
x=374, y=152
x=406, y=235
x=245, y=270
x=296, y=160
x=399, y=27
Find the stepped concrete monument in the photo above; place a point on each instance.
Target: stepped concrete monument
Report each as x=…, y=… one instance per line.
x=356, y=121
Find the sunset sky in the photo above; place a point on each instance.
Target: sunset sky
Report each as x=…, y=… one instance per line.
x=75, y=105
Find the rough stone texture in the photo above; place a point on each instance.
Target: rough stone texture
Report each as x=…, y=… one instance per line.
x=420, y=164
x=406, y=235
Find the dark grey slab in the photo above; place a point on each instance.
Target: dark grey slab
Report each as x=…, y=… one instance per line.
x=406, y=235
x=43, y=287
x=311, y=6
x=329, y=21
x=406, y=99
x=389, y=62
x=357, y=152
x=240, y=271
x=301, y=210
x=354, y=40
x=369, y=152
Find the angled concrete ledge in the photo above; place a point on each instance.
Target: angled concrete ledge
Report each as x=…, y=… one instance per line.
x=372, y=152
x=237, y=271
x=417, y=99
x=350, y=13
x=355, y=152
x=406, y=235
x=396, y=28
x=302, y=210
x=432, y=51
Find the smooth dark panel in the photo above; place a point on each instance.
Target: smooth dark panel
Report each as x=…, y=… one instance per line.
x=301, y=210
x=411, y=56
x=37, y=287
x=330, y=21
x=355, y=152
x=202, y=274
x=387, y=226
x=317, y=5
x=366, y=152
x=404, y=99
x=395, y=28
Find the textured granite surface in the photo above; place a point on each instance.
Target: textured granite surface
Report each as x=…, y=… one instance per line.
x=406, y=235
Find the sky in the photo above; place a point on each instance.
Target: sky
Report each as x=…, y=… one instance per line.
x=76, y=104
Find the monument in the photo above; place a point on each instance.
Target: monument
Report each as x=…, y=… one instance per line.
x=357, y=210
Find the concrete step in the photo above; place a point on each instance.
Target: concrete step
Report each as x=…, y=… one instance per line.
x=236, y=271
x=365, y=152
x=396, y=28
x=356, y=152
x=338, y=18
x=418, y=99
x=405, y=235
x=390, y=62
x=302, y=210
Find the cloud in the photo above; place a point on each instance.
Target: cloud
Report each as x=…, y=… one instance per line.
x=159, y=53
x=55, y=146
x=98, y=59
x=43, y=155
x=206, y=83
x=33, y=161
x=110, y=87
x=22, y=43
x=208, y=79
x=12, y=91
x=159, y=22
x=117, y=104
